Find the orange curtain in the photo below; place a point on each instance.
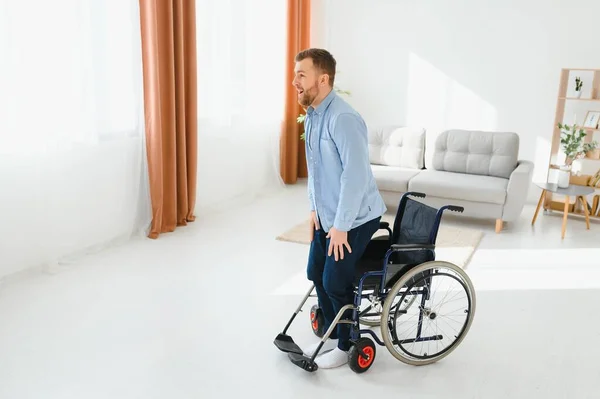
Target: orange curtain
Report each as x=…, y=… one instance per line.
x=170, y=105
x=292, y=156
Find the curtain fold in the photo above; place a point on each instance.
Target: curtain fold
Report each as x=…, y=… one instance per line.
x=292, y=156
x=170, y=105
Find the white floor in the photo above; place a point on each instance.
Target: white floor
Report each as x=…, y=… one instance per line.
x=194, y=314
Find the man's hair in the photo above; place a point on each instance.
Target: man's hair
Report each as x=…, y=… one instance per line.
x=322, y=60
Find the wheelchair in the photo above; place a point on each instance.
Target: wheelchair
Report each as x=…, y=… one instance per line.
x=398, y=283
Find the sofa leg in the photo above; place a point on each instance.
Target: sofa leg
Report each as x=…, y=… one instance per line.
x=499, y=225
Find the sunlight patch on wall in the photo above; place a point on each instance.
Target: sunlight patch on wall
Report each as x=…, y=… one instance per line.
x=541, y=159
x=435, y=100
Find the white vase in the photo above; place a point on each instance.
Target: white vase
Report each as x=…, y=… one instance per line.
x=564, y=175
x=578, y=94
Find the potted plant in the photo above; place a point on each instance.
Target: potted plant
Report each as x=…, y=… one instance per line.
x=591, y=150
x=572, y=145
x=578, y=85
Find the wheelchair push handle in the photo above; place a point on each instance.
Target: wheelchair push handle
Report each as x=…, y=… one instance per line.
x=455, y=208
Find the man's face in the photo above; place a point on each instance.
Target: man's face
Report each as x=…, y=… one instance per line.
x=307, y=82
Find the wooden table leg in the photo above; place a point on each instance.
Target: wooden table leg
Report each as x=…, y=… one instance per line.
x=585, y=211
x=566, y=212
x=538, y=206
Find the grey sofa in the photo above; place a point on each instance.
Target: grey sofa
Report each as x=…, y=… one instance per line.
x=474, y=169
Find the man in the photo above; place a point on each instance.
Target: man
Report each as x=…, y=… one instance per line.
x=345, y=204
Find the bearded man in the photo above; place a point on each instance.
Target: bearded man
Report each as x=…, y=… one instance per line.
x=345, y=203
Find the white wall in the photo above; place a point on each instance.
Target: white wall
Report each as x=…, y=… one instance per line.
x=477, y=64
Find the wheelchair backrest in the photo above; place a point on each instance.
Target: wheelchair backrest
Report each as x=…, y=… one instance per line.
x=415, y=223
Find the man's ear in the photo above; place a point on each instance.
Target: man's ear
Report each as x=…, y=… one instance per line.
x=324, y=80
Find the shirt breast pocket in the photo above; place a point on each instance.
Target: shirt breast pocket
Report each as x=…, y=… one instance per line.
x=327, y=147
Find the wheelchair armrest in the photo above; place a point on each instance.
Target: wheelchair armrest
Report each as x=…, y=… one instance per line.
x=412, y=247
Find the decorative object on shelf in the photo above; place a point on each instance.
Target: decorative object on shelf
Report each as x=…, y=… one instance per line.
x=572, y=142
x=595, y=180
x=572, y=145
x=564, y=176
x=580, y=180
x=591, y=150
x=578, y=86
x=591, y=119
x=301, y=117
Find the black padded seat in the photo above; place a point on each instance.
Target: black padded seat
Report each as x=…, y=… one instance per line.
x=374, y=257
x=393, y=274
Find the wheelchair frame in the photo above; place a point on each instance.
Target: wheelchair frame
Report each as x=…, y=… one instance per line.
x=286, y=343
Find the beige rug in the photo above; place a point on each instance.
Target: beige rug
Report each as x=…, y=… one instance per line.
x=454, y=244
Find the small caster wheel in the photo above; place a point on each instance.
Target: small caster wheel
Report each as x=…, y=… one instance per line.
x=317, y=321
x=357, y=362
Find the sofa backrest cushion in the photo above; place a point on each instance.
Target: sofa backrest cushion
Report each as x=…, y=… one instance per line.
x=476, y=152
x=397, y=146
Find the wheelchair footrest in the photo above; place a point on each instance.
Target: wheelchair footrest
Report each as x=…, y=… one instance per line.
x=303, y=362
x=285, y=343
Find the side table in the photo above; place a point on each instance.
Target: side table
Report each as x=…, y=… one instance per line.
x=573, y=190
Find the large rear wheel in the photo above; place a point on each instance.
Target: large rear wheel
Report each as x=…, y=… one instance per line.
x=443, y=306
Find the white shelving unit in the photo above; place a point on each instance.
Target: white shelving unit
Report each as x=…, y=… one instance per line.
x=572, y=108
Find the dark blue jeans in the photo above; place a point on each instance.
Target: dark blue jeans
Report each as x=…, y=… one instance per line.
x=334, y=281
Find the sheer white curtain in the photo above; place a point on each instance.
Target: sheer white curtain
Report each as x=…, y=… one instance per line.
x=72, y=149
x=241, y=72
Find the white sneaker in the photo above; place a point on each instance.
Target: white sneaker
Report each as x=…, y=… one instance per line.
x=333, y=359
x=327, y=346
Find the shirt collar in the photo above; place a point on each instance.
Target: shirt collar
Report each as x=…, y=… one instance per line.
x=324, y=104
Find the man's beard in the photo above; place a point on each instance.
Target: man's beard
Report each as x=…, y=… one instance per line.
x=308, y=96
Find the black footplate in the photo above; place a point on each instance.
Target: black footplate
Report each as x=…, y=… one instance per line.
x=303, y=362
x=285, y=343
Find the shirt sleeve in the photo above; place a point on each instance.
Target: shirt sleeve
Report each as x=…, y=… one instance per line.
x=351, y=139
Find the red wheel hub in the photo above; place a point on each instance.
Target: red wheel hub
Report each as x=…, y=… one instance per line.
x=364, y=363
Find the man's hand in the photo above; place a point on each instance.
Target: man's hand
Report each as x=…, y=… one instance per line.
x=314, y=224
x=338, y=240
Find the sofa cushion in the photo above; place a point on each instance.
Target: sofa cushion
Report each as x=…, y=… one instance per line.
x=397, y=146
x=393, y=178
x=476, y=152
x=460, y=186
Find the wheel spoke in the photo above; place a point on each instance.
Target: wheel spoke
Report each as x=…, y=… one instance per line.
x=446, y=322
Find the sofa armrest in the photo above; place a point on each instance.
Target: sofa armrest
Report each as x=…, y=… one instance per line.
x=517, y=189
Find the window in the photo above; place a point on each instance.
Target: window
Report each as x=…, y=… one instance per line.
x=69, y=72
x=241, y=48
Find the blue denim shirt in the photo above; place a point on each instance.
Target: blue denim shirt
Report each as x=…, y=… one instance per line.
x=341, y=186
